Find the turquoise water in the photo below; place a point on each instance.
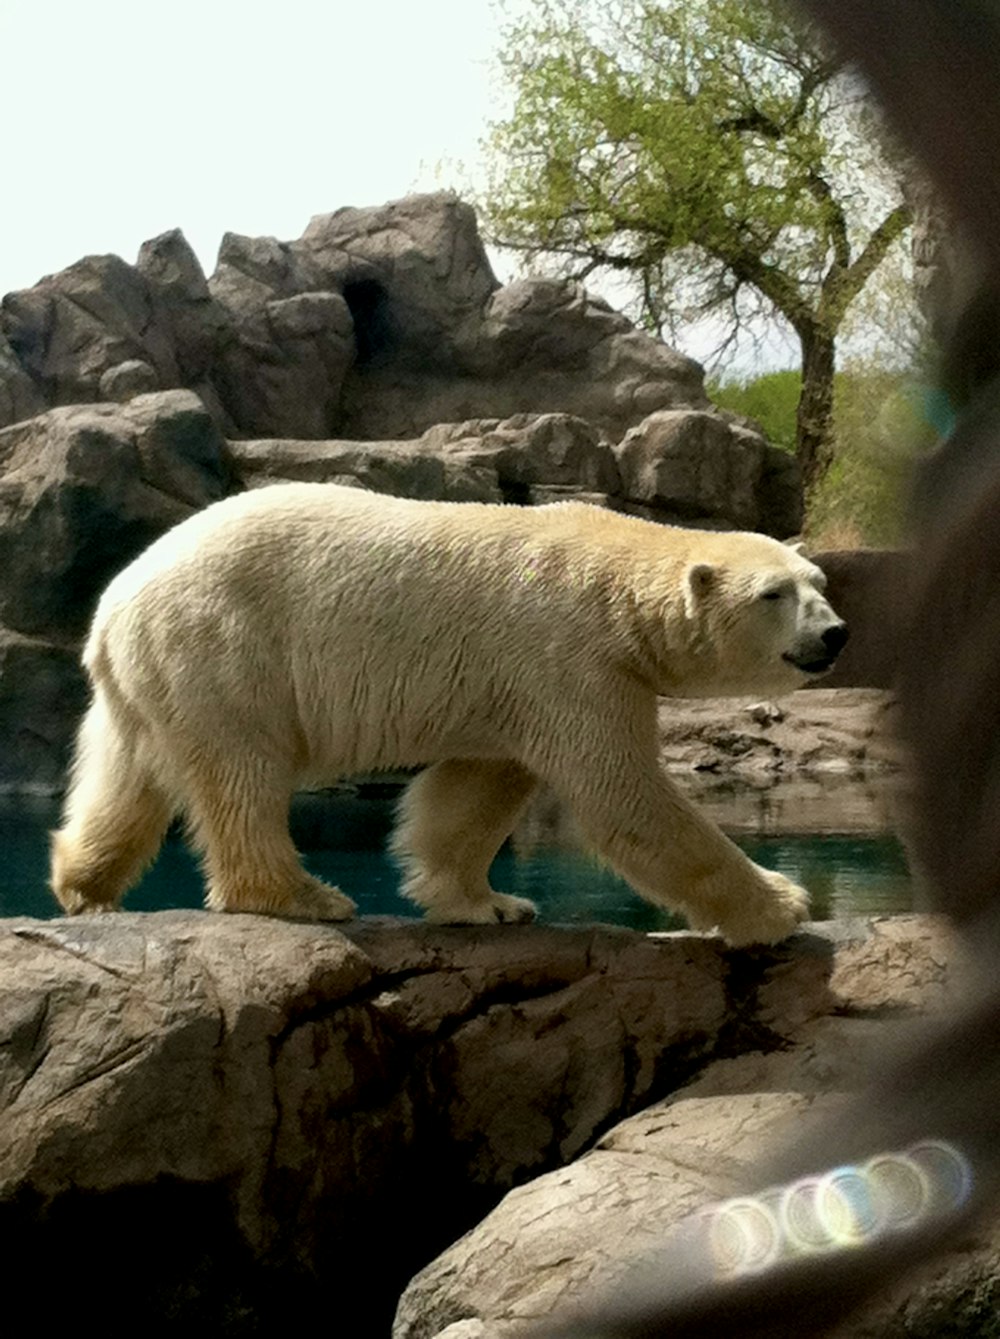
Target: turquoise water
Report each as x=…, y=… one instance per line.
x=343, y=841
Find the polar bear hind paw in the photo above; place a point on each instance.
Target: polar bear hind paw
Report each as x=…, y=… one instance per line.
x=497, y=909
x=312, y=900
x=317, y=901
x=78, y=904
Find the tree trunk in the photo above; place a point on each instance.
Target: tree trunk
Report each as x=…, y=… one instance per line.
x=814, y=420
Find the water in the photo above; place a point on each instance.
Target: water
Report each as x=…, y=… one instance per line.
x=343, y=841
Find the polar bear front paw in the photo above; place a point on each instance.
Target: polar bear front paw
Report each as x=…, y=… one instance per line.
x=498, y=908
x=767, y=919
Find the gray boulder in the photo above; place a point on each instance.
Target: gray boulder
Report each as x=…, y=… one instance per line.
x=84, y=489
x=376, y=324
x=290, y=340
x=72, y=327
x=575, y=1235
x=19, y=396
x=818, y=730
x=699, y=467
x=415, y=274
x=42, y=697
x=528, y=459
x=186, y=311
x=542, y=346
x=869, y=589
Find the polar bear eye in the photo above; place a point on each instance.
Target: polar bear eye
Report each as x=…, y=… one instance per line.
x=772, y=595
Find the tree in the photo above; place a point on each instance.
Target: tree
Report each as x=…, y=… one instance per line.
x=714, y=155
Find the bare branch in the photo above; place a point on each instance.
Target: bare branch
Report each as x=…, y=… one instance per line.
x=842, y=286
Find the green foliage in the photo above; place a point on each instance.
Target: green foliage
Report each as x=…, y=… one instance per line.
x=880, y=427
x=879, y=430
x=714, y=127
x=711, y=153
x=770, y=399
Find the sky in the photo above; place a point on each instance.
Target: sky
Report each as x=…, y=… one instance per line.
x=125, y=118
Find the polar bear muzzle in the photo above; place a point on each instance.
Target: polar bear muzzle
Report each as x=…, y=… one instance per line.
x=817, y=654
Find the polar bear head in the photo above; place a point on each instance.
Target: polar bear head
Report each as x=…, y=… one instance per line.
x=759, y=615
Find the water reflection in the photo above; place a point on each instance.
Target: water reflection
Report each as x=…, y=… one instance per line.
x=343, y=836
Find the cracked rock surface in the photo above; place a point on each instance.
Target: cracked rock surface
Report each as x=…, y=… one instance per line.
x=250, y=1116
x=574, y=1234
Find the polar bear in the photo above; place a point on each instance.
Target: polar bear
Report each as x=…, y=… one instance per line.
x=298, y=633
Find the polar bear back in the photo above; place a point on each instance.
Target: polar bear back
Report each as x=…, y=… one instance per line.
x=357, y=631
x=384, y=632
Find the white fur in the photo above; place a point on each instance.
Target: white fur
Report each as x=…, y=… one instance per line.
x=303, y=632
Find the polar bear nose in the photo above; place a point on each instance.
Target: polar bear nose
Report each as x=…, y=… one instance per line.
x=835, y=638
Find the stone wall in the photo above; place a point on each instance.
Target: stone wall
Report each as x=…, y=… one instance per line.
x=235, y=1124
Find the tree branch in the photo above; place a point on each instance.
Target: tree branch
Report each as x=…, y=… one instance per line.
x=841, y=286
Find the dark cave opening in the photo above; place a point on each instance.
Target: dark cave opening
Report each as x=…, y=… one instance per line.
x=373, y=327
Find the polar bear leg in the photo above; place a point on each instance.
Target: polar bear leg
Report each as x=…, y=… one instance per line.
x=453, y=819
x=238, y=811
x=114, y=817
x=648, y=831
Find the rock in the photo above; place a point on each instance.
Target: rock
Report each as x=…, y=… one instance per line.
x=528, y=459
x=126, y=380
x=467, y=1329
x=400, y=468
x=573, y=1235
x=186, y=311
x=249, y=1109
x=42, y=697
x=867, y=587
x=376, y=324
x=906, y=963
x=19, y=396
x=766, y=713
x=288, y=350
x=544, y=346
x=537, y=458
x=84, y=489
x=73, y=327
x=814, y=730
x=698, y=467
x=414, y=273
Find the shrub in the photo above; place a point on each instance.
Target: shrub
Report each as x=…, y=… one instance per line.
x=880, y=426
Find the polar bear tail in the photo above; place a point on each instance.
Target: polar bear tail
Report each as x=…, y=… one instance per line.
x=115, y=814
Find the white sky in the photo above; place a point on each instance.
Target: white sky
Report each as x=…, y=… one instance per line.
x=126, y=117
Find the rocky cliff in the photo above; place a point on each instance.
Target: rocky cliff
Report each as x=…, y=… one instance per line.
x=376, y=323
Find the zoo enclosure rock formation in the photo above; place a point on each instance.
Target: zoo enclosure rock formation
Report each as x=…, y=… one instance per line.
x=574, y=1233
x=376, y=324
x=251, y=1110
x=377, y=351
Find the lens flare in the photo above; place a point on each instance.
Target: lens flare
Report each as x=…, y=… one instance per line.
x=804, y=1228
x=744, y=1236
x=842, y=1209
x=846, y=1207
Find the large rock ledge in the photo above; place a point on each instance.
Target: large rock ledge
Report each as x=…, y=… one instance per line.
x=573, y=1236
x=244, y=1115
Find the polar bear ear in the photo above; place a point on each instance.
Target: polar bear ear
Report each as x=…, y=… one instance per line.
x=797, y=546
x=698, y=581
